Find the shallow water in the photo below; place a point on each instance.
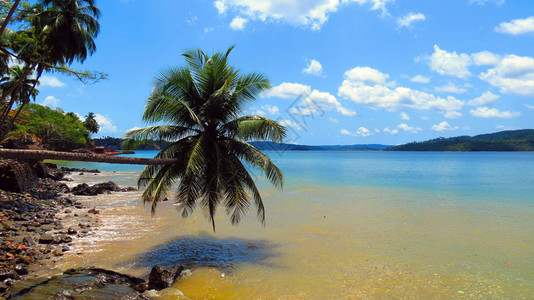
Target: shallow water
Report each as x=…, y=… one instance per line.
x=360, y=225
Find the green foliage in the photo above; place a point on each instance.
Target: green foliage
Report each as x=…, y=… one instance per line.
x=200, y=106
x=58, y=130
x=514, y=140
x=90, y=123
x=116, y=144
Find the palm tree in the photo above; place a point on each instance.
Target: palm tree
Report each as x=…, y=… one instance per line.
x=20, y=88
x=72, y=26
x=62, y=31
x=201, y=104
x=90, y=123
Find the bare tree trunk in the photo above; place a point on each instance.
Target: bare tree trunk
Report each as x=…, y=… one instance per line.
x=9, y=15
x=111, y=159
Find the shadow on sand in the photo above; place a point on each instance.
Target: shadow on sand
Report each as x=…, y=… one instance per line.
x=206, y=251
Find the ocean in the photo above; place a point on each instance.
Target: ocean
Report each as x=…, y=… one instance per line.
x=347, y=225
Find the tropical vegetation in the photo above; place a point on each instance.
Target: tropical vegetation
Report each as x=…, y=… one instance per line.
x=50, y=35
x=511, y=140
x=198, y=109
x=53, y=129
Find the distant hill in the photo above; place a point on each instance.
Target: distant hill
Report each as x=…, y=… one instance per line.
x=293, y=147
x=115, y=143
x=513, y=140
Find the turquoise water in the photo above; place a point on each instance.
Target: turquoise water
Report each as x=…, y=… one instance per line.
x=506, y=176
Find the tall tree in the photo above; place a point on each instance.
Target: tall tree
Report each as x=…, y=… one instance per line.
x=201, y=105
x=61, y=32
x=20, y=88
x=72, y=27
x=90, y=123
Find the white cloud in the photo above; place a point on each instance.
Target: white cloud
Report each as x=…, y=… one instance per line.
x=208, y=29
x=272, y=109
x=393, y=132
x=420, y=79
x=529, y=106
x=333, y=120
x=450, y=88
x=314, y=68
x=313, y=102
x=483, y=2
x=345, y=111
x=487, y=98
x=288, y=90
x=238, y=23
x=368, y=87
x=426, y=118
x=452, y=115
x=517, y=26
x=80, y=117
x=444, y=126
x=366, y=75
x=404, y=116
x=513, y=75
x=312, y=14
x=290, y=123
x=361, y=132
x=450, y=63
x=409, y=18
x=106, y=124
x=51, y=102
x=51, y=81
x=486, y=112
x=485, y=58
x=407, y=128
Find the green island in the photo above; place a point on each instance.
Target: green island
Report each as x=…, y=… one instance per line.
x=511, y=140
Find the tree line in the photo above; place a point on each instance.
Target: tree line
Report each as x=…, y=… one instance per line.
x=38, y=37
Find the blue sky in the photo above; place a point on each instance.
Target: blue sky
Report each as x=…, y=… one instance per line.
x=343, y=71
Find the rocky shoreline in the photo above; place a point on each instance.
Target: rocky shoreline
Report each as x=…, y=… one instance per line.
x=32, y=234
x=33, y=238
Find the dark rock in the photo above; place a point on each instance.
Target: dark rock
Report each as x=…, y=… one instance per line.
x=17, y=176
x=105, y=187
x=66, y=239
x=21, y=270
x=162, y=277
x=71, y=231
x=83, y=190
x=48, y=239
x=94, y=211
x=28, y=240
x=6, y=275
x=141, y=287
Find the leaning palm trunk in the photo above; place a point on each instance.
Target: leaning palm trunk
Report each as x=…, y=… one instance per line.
x=9, y=15
x=55, y=155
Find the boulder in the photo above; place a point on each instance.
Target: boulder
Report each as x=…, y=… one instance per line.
x=17, y=176
x=83, y=190
x=162, y=277
x=105, y=187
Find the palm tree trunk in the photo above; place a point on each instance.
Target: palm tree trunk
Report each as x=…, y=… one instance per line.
x=55, y=155
x=9, y=15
